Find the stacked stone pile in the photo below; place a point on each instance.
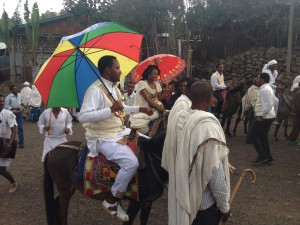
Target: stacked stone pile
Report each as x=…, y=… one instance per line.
x=249, y=64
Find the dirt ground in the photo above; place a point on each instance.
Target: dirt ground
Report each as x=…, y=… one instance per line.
x=273, y=200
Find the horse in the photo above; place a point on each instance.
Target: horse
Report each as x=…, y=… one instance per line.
x=60, y=169
x=231, y=105
x=285, y=98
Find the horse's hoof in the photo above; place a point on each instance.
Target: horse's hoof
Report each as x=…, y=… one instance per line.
x=229, y=134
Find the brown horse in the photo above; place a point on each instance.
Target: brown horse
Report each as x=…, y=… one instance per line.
x=285, y=98
x=60, y=169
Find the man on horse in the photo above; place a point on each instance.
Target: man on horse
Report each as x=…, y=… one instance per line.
x=218, y=85
x=105, y=130
x=201, y=196
x=271, y=69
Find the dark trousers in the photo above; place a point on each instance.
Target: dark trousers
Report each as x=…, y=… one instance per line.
x=296, y=128
x=210, y=216
x=260, y=140
x=19, y=120
x=219, y=97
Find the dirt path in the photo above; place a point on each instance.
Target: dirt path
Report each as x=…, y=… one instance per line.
x=273, y=200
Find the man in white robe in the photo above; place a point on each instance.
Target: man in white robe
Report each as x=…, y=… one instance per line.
x=25, y=97
x=56, y=123
x=201, y=176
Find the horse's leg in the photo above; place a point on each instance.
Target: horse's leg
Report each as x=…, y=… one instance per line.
x=145, y=212
x=133, y=209
x=229, y=117
x=246, y=123
x=238, y=119
x=65, y=194
x=223, y=119
x=276, y=131
x=285, y=125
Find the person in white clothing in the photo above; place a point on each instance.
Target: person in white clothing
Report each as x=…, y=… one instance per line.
x=35, y=104
x=8, y=130
x=264, y=116
x=200, y=181
x=56, y=123
x=271, y=69
x=25, y=97
x=100, y=115
x=218, y=85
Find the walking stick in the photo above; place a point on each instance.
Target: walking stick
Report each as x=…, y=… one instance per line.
x=236, y=187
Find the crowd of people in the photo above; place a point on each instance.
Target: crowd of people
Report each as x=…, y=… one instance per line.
x=195, y=152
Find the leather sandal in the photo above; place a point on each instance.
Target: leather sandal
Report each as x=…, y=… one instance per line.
x=115, y=211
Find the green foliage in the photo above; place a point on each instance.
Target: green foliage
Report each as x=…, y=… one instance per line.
x=4, y=29
x=32, y=28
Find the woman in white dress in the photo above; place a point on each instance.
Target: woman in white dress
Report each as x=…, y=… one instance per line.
x=148, y=94
x=56, y=123
x=8, y=130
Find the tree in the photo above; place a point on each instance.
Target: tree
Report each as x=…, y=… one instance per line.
x=4, y=29
x=32, y=28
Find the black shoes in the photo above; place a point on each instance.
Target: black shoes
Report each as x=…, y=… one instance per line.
x=259, y=161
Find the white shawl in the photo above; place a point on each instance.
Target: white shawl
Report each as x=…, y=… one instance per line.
x=200, y=127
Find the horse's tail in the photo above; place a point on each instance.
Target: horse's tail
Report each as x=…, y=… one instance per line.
x=50, y=203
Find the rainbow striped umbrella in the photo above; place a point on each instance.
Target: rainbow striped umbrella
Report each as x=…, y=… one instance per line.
x=72, y=68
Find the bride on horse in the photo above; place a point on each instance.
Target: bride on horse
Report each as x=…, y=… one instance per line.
x=148, y=94
x=102, y=115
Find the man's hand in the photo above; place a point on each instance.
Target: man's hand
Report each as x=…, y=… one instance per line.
x=225, y=216
x=117, y=105
x=7, y=147
x=231, y=168
x=47, y=128
x=259, y=118
x=146, y=110
x=67, y=130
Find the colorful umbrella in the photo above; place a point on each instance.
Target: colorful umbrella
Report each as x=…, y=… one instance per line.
x=72, y=68
x=170, y=66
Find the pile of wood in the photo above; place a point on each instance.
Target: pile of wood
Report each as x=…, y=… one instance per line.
x=249, y=64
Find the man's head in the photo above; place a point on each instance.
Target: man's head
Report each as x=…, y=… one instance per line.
x=189, y=85
x=13, y=89
x=272, y=65
x=130, y=86
x=172, y=86
x=262, y=79
x=26, y=84
x=220, y=67
x=2, y=102
x=151, y=73
x=109, y=68
x=182, y=85
x=201, y=93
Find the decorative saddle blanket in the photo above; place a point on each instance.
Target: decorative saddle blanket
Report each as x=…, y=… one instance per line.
x=98, y=174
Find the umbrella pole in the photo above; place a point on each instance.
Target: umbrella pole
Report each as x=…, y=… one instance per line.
x=237, y=186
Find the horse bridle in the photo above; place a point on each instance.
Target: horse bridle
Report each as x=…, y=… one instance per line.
x=158, y=179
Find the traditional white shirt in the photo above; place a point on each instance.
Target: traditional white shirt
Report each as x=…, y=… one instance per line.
x=217, y=81
x=129, y=99
x=8, y=120
x=25, y=95
x=35, y=97
x=93, y=109
x=56, y=134
x=265, y=101
x=273, y=75
x=12, y=101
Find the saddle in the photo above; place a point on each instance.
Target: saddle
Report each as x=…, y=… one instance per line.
x=98, y=174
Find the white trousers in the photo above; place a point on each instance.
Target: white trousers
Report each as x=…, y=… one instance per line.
x=125, y=158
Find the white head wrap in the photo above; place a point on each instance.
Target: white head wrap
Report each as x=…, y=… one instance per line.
x=26, y=83
x=272, y=62
x=295, y=83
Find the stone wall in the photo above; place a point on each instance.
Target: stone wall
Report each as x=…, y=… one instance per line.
x=249, y=64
